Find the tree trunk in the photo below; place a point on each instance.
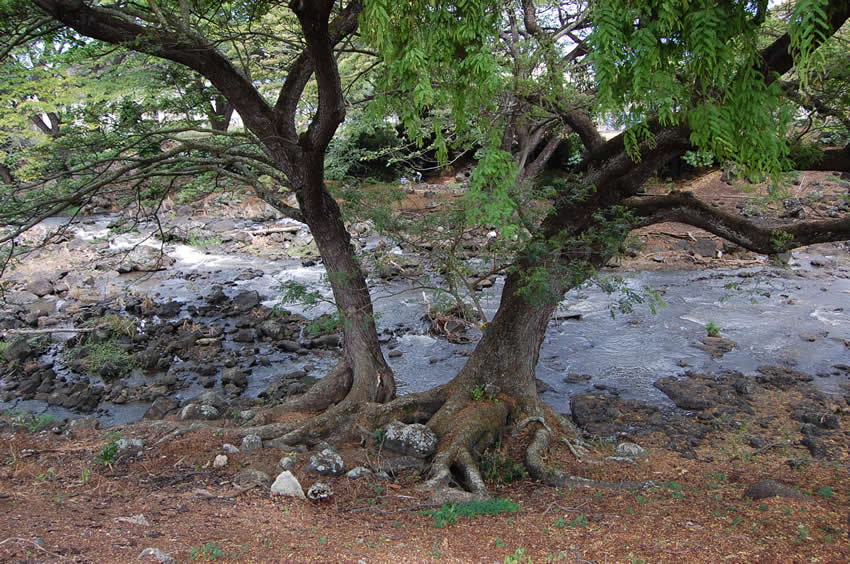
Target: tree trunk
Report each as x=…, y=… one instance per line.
x=6, y=175
x=370, y=376
x=505, y=359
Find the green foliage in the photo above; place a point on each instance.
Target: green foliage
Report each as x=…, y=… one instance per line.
x=499, y=467
x=448, y=513
x=518, y=557
x=780, y=239
x=108, y=451
x=208, y=551
x=42, y=421
x=826, y=492
x=696, y=63
x=108, y=359
x=698, y=159
x=3, y=346
x=712, y=329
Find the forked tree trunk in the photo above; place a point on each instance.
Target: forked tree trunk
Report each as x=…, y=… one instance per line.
x=364, y=366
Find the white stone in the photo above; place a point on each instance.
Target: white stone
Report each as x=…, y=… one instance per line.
x=220, y=461
x=287, y=484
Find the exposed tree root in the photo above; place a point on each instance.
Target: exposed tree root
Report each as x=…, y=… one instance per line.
x=537, y=469
x=478, y=425
x=330, y=390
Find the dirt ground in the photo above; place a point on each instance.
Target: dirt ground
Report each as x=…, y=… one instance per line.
x=60, y=502
x=65, y=498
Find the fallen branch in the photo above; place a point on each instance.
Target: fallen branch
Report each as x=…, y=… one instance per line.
x=48, y=330
x=273, y=230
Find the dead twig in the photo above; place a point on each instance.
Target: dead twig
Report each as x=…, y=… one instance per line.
x=761, y=450
x=33, y=543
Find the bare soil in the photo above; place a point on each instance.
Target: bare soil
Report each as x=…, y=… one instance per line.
x=59, y=503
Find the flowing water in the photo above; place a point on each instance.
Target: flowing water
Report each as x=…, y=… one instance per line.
x=798, y=316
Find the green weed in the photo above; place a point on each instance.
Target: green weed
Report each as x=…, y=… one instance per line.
x=449, y=512
x=209, y=551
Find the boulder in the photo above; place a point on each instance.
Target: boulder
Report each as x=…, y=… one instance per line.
x=160, y=408
x=288, y=462
x=319, y=491
x=358, y=472
x=40, y=286
x=250, y=477
x=252, y=442
x=199, y=411
x=770, y=488
x=413, y=440
x=630, y=450
x=151, y=554
x=287, y=484
x=245, y=301
x=326, y=463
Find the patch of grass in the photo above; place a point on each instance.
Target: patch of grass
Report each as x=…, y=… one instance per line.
x=40, y=422
x=712, y=329
x=196, y=240
x=477, y=393
x=107, y=359
x=209, y=551
x=500, y=468
x=448, y=513
x=518, y=557
x=3, y=346
x=826, y=492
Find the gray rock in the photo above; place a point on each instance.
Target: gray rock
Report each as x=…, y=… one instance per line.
x=252, y=442
x=40, y=286
x=287, y=484
x=358, y=472
x=246, y=301
x=160, y=408
x=220, y=461
x=319, y=491
x=630, y=450
x=326, y=463
x=152, y=554
x=770, y=488
x=249, y=477
x=211, y=398
x=198, y=411
x=288, y=462
x=130, y=444
x=229, y=448
x=19, y=349
x=414, y=440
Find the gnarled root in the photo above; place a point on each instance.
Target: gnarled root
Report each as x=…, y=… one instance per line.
x=537, y=469
x=330, y=390
x=478, y=425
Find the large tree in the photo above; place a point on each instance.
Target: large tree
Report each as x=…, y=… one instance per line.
x=675, y=75
x=210, y=41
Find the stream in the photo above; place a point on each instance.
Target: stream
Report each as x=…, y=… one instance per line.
x=798, y=316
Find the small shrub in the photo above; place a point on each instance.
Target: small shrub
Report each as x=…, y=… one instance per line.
x=108, y=452
x=501, y=468
x=107, y=359
x=41, y=422
x=477, y=393
x=826, y=492
x=448, y=513
x=712, y=329
x=209, y=551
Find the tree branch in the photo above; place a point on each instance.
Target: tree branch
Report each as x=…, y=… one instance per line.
x=768, y=239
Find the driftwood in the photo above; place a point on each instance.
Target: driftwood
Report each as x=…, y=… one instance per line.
x=48, y=330
x=272, y=230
